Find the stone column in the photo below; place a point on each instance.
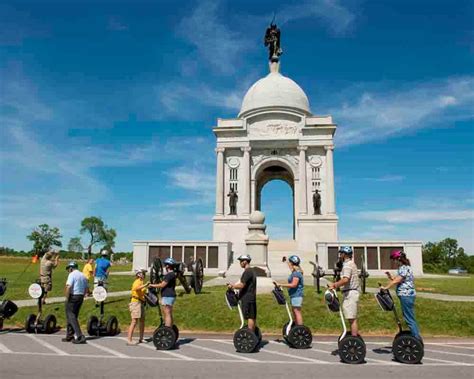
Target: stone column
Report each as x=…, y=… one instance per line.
x=220, y=181
x=253, y=194
x=246, y=180
x=302, y=180
x=330, y=196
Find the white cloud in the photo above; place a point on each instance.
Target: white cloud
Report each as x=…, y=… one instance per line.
x=52, y=178
x=194, y=180
x=179, y=98
x=387, y=178
x=408, y=216
x=116, y=24
x=332, y=13
x=218, y=44
x=382, y=114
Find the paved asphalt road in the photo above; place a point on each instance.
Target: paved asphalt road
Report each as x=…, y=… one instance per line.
x=45, y=356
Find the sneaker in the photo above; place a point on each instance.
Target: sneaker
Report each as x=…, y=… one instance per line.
x=67, y=339
x=80, y=340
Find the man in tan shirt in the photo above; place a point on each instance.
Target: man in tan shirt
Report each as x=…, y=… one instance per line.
x=350, y=288
x=49, y=262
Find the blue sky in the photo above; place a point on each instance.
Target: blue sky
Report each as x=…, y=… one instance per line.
x=107, y=109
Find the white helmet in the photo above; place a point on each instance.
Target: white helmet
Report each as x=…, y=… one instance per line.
x=104, y=252
x=140, y=271
x=245, y=257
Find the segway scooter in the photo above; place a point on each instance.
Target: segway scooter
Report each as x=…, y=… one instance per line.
x=245, y=339
x=34, y=323
x=405, y=347
x=351, y=349
x=164, y=337
x=296, y=336
x=7, y=307
x=96, y=325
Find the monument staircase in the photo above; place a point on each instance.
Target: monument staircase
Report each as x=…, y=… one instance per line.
x=277, y=249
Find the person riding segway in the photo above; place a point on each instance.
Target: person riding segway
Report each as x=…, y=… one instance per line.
x=408, y=345
x=166, y=335
x=102, y=268
x=248, y=336
x=349, y=284
x=294, y=332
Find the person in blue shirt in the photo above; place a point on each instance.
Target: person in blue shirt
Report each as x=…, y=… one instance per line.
x=102, y=267
x=295, y=287
x=405, y=282
x=76, y=288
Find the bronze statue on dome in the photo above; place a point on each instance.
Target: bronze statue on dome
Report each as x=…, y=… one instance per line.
x=272, y=40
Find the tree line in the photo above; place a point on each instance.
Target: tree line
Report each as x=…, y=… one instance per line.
x=439, y=257
x=94, y=233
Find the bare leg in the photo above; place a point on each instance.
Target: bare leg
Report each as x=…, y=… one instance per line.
x=298, y=316
x=142, y=328
x=131, y=329
x=354, y=327
x=251, y=323
x=168, y=312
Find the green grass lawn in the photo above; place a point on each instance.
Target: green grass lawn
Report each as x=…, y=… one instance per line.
x=208, y=312
x=463, y=285
x=20, y=274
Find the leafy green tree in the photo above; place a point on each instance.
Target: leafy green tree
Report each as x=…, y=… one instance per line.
x=98, y=232
x=44, y=238
x=108, y=238
x=443, y=255
x=450, y=249
x=75, y=245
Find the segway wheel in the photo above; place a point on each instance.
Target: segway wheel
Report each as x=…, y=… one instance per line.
x=300, y=337
x=112, y=326
x=49, y=324
x=30, y=323
x=352, y=350
x=93, y=326
x=164, y=338
x=407, y=349
x=258, y=333
x=283, y=330
x=245, y=340
x=176, y=331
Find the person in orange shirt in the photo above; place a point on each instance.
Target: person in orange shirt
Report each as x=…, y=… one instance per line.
x=137, y=306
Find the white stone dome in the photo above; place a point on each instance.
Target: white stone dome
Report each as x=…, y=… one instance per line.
x=275, y=90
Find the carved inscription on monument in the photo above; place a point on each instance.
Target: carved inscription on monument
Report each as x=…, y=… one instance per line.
x=284, y=129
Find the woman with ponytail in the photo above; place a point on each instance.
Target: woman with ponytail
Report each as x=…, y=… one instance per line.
x=295, y=287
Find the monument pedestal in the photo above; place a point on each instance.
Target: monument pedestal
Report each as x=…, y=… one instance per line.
x=256, y=242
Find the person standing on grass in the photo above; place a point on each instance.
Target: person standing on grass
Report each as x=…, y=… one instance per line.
x=102, y=268
x=88, y=270
x=405, y=282
x=295, y=287
x=137, y=306
x=350, y=288
x=76, y=288
x=48, y=263
x=168, y=292
x=247, y=286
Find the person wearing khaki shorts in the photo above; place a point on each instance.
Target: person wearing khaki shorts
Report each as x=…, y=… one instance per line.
x=349, y=304
x=137, y=307
x=349, y=285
